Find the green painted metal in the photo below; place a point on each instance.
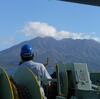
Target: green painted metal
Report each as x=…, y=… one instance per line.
x=95, y=78
x=6, y=91
x=60, y=97
x=62, y=80
x=58, y=79
x=25, y=77
x=87, y=94
x=70, y=78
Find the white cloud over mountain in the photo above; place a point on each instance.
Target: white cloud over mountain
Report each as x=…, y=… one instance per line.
x=34, y=29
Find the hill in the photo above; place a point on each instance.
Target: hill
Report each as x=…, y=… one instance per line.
x=58, y=51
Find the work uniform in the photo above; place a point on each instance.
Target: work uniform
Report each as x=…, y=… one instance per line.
x=39, y=70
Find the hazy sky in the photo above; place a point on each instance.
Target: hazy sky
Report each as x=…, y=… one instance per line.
x=22, y=20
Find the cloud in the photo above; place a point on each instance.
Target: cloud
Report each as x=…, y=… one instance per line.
x=35, y=29
x=38, y=29
x=7, y=42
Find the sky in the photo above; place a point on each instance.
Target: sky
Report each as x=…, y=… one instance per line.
x=22, y=20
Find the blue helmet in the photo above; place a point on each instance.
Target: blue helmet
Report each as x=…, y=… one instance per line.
x=26, y=51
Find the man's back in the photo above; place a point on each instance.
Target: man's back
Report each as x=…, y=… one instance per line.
x=27, y=56
x=38, y=69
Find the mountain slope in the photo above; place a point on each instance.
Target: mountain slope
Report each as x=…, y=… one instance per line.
x=65, y=50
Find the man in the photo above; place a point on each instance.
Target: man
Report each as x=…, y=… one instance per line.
x=38, y=69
